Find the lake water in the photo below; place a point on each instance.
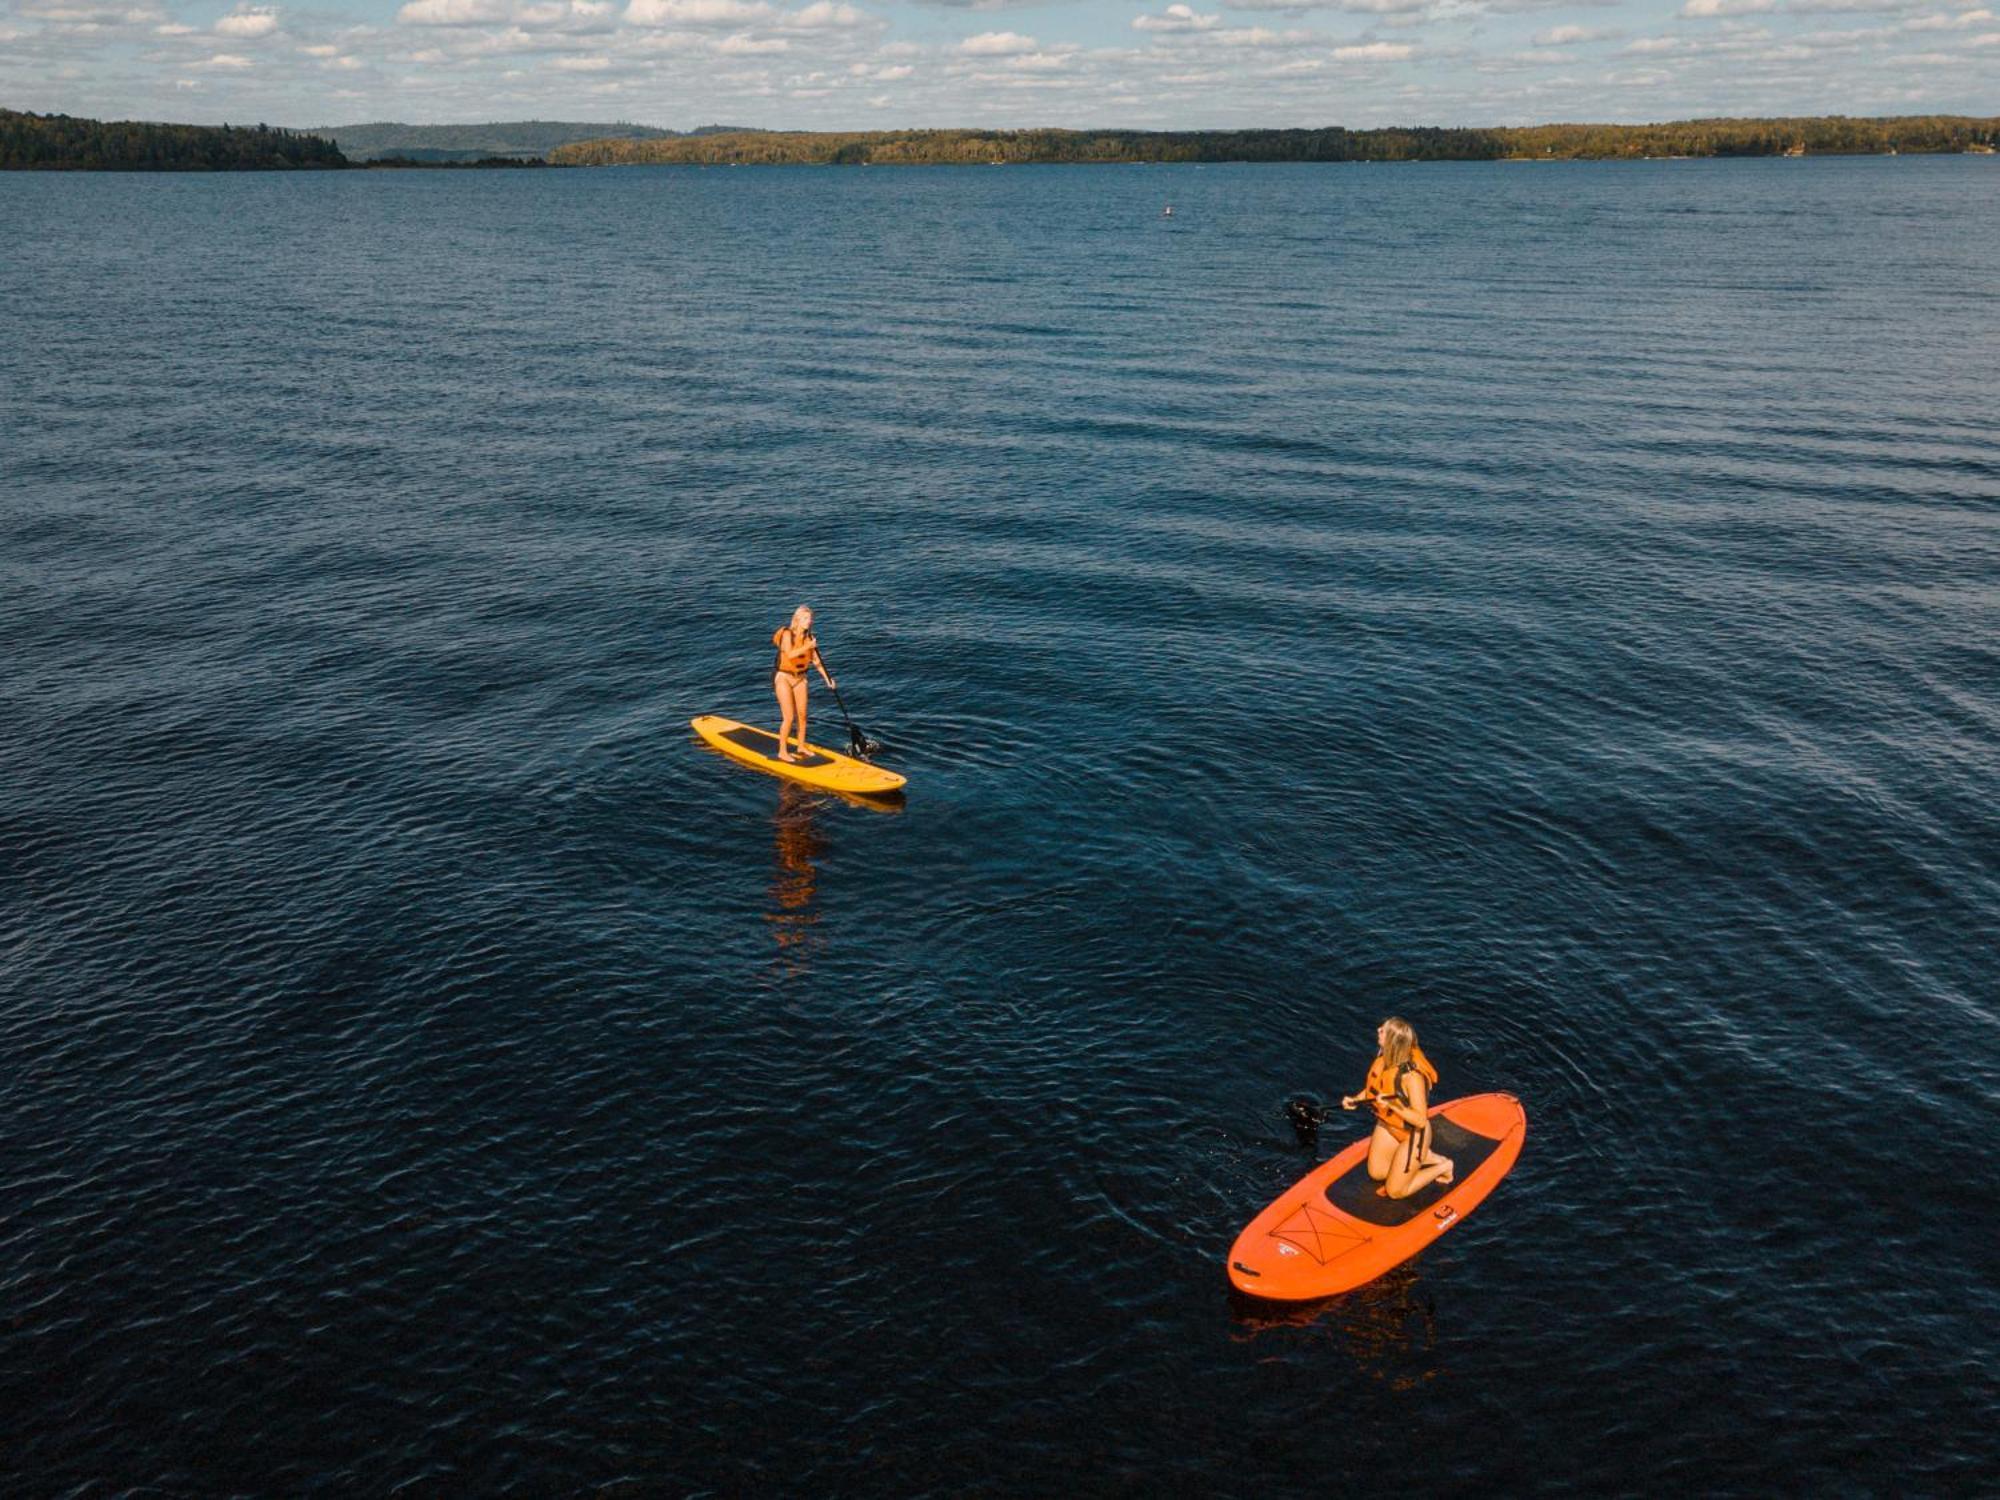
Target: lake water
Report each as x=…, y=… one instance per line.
x=1556, y=603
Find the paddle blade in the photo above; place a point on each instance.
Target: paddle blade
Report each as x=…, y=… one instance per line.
x=858, y=744
x=1306, y=1117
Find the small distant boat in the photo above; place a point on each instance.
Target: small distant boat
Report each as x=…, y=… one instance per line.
x=1796, y=149
x=1167, y=212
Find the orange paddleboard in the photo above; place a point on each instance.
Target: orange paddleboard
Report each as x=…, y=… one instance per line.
x=827, y=769
x=1329, y=1232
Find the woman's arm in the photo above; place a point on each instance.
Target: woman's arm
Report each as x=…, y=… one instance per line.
x=822, y=667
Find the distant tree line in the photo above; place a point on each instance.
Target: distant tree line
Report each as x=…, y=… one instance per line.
x=55, y=142
x=31, y=142
x=1776, y=137
x=1824, y=135
x=448, y=163
x=500, y=138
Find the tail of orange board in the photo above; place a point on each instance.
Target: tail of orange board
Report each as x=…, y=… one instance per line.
x=1330, y=1232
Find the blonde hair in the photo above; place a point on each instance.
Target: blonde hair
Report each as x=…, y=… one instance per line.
x=803, y=609
x=1399, y=1040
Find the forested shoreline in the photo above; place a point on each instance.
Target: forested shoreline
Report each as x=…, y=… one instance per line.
x=32, y=142
x=1823, y=135
x=63, y=143
x=57, y=143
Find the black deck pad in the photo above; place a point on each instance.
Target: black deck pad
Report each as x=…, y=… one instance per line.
x=1353, y=1192
x=765, y=743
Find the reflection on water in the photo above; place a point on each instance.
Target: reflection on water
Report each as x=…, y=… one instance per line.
x=801, y=823
x=1388, y=1327
x=800, y=841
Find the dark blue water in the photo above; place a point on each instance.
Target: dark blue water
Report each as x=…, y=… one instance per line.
x=1557, y=604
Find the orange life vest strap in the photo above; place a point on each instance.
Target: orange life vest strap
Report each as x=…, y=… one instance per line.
x=1384, y=1084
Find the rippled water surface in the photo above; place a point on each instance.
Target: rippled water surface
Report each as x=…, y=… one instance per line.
x=1557, y=604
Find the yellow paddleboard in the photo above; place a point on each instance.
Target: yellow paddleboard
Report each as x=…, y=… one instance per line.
x=824, y=768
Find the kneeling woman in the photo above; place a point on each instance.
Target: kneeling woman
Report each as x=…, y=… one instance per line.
x=798, y=653
x=1398, y=1089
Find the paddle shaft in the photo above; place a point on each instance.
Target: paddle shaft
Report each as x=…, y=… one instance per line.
x=1361, y=1099
x=852, y=727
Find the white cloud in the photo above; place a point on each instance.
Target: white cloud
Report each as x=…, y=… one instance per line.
x=227, y=60
x=568, y=15
x=1565, y=36
x=68, y=14
x=1374, y=52
x=741, y=44
x=699, y=12
x=173, y=28
x=248, y=21
x=1708, y=9
x=827, y=15
x=1942, y=22
x=1176, y=18
x=320, y=49
x=593, y=64
x=1351, y=7
x=1263, y=36
x=1648, y=45
x=665, y=43
x=997, y=44
x=454, y=12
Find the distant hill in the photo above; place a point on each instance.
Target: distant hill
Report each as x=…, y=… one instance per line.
x=474, y=142
x=62, y=143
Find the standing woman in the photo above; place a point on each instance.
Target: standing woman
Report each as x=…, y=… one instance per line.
x=1399, y=1090
x=798, y=652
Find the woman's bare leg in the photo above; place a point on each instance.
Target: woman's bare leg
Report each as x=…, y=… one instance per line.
x=1382, y=1149
x=1412, y=1170
x=799, y=693
x=785, y=710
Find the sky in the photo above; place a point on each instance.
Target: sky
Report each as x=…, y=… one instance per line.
x=882, y=64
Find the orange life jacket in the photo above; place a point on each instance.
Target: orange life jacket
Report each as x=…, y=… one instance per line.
x=1384, y=1081
x=797, y=656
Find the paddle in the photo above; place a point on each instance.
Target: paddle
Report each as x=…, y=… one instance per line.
x=1307, y=1117
x=1303, y=1109
x=858, y=744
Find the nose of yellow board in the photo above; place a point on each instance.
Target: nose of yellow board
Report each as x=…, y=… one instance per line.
x=817, y=767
